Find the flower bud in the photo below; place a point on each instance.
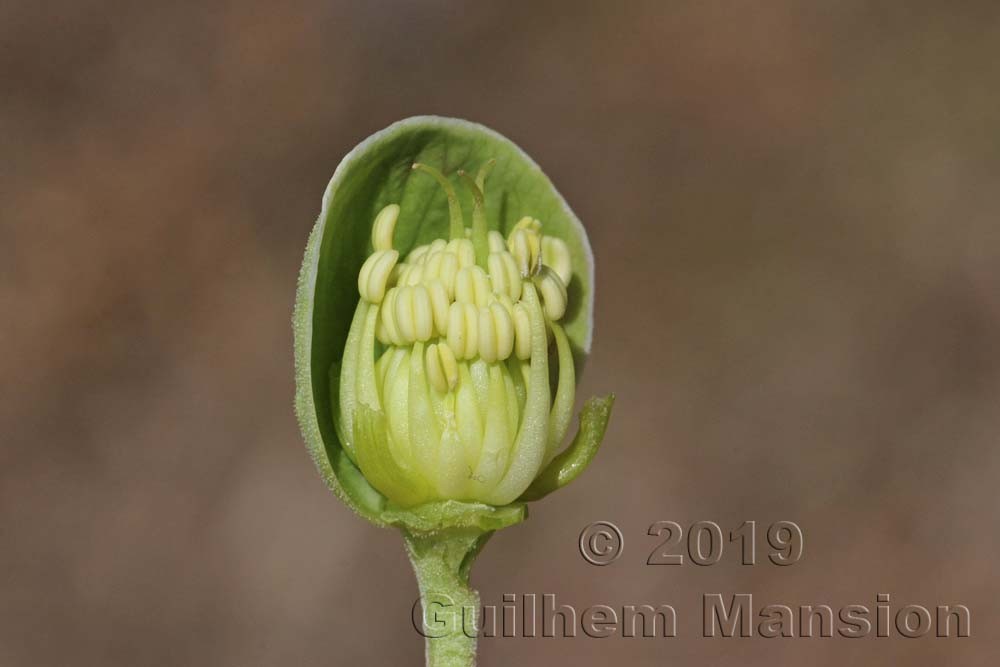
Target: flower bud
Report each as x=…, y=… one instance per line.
x=445, y=391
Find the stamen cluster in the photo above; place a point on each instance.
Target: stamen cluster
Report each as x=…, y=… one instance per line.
x=445, y=386
x=440, y=293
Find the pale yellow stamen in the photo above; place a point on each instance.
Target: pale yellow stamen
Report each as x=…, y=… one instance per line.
x=442, y=369
x=530, y=224
x=375, y=273
x=385, y=225
x=423, y=315
x=555, y=253
x=414, y=276
x=435, y=374
x=448, y=271
x=553, y=292
x=448, y=363
x=463, y=250
x=525, y=245
x=496, y=242
x=463, y=330
x=498, y=275
x=439, y=306
x=487, y=336
x=440, y=294
x=388, y=313
x=503, y=325
x=403, y=313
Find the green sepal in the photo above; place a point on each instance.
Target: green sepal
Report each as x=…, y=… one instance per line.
x=569, y=464
x=315, y=409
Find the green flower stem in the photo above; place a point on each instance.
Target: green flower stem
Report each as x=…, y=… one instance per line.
x=450, y=607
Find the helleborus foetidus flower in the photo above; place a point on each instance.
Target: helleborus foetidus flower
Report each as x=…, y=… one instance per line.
x=443, y=311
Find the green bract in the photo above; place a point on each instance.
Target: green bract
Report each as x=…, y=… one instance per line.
x=444, y=306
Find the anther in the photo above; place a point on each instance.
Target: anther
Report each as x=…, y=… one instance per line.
x=482, y=283
x=375, y=273
x=507, y=303
x=530, y=224
x=439, y=305
x=456, y=329
x=423, y=315
x=503, y=326
x=513, y=275
x=381, y=332
x=526, y=247
x=465, y=290
x=555, y=253
x=414, y=276
x=398, y=273
x=385, y=225
x=448, y=271
x=487, y=336
x=472, y=285
x=417, y=254
x=463, y=250
x=448, y=364
x=388, y=313
x=463, y=330
x=442, y=369
x=496, y=242
x=498, y=274
x=435, y=374
x=437, y=245
x=432, y=265
x=403, y=314
x=553, y=293
x=471, y=320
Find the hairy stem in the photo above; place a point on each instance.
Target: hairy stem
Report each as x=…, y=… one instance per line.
x=450, y=608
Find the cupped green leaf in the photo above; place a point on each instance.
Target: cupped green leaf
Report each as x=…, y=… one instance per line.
x=379, y=172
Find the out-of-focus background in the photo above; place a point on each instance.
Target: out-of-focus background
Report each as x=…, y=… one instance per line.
x=794, y=208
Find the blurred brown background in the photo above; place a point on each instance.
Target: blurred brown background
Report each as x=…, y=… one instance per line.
x=794, y=208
